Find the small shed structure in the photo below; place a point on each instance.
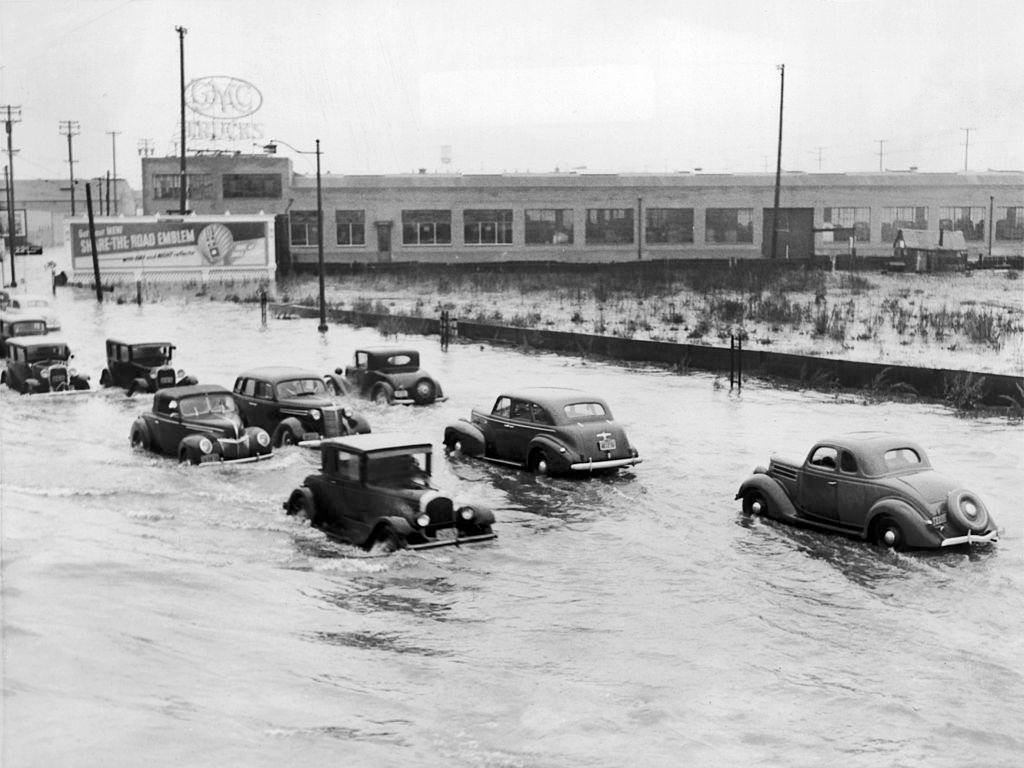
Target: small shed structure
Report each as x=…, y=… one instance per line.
x=921, y=250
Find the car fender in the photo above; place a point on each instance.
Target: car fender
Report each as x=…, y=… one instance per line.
x=302, y=492
x=358, y=424
x=290, y=424
x=781, y=505
x=482, y=515
x=138, y=385
x=399, y=525
x=468, y=434
x=337, y=382
x=190, y=444
x=916, y=531
x=556, y=450
x=145, y=437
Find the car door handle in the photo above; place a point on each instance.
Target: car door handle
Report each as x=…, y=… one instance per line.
x=510, y=426
x=832, y=482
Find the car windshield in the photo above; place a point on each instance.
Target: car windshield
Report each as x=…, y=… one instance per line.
x=49, y=352
x=589, y=411
x=28, y=329
x=300, y=388
x=403, y=471
x=151, y=354
x=205, y=404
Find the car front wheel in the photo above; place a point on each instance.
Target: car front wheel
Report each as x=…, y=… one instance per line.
x=539, y=463
x=755, y=503
x=383, y=394
x=889, y=534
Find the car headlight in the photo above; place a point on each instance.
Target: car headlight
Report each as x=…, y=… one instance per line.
x=263, y=438
x=152, y=373
x=314, y=415
x=423, y=520
x=45, y=373
x=72, y=372
x=467, y=513
x=205, y=445
x=346, y=412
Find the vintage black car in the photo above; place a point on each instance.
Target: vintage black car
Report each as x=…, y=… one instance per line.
x=293, y=405
x=40, y=364
x=872, y=485
x=387, y=375
x=375, y=491
x=142, y=366
x=19, y=324
x=198, y=424
x=549, y=430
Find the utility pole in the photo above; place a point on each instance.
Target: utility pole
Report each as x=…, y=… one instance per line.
x=819, y=158
x=145, y=147
x=778, y=161
x=184, y=178
x=113, y=150
x=967, y=143
x=13, y=116
x=70, y=128
x=881, y=144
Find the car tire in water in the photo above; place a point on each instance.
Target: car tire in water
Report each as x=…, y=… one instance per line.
x=424, y=391
x=385, y=541
x=303, y=507
x=755, y=503
x=137, y=385
x=30, y=387
x=539, y=462
x=888, y=533
x=139, y=439
x=383, y=394
x=189, y=454
x=452, y=444
x=283, y=435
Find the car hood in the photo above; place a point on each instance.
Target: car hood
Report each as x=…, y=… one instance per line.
x=216, y=425
x=930, y=486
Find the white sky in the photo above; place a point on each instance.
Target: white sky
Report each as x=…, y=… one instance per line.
x=531, y=85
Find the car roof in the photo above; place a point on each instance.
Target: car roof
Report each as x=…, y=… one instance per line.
x=176, y=393
x=278, y=373
x=552, y=396
x=375, y=441
x=31, y=341
x=18, y=317
x=870, y=441
x=138, y=343
x=389, y=350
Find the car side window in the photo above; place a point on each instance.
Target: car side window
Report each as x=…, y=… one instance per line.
x=824, y=457
x=540, y=416
x=502, y=407
x=264, y=390
x=847, y=462
x=348, y=467
x=361, y=359
x=520, y=411
x=249, y=387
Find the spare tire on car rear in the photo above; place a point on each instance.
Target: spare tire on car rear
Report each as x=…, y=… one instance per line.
x=968, y=511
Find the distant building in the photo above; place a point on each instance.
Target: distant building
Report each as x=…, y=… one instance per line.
x=470, y=218
x=919, y=250
x=44, y=204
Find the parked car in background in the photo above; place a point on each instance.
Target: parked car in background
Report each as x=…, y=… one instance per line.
x=38, y=364
x=549, y=430
x=293, y=405
x=376, y=491
x=28, y=249
x=142, y=366
x=387, y=375
x=19, y=324
x=872, y=485
x=5, y=298
x=36, y=306
x=198, y=424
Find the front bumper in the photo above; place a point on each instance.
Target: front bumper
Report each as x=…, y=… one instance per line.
x=971, y=538
x=455, y=541
x=590, y=466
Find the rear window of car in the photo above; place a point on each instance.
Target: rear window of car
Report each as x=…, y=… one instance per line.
x=901, y=458
x=588, y=411
x=399, y=361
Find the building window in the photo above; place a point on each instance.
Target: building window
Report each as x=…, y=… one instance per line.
x=426, y=227
x=252, y=185
x=487, y=227
x=166, y=186
x=609, y=226
x=351, y=227
x=549, y=226
x=302, y=226
x=970, y=221
x=669, y=225
x=905, y=217
x=729, y=225
x=1010, y=224
x=847, y=223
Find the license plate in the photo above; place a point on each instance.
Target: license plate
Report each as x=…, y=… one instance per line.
x=939, y=519
x=208, y=457
x=401, y=393
x=446, y=534
x=606, y=445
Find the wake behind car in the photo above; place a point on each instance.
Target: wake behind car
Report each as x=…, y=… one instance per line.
x=549, y=430
x=376, y=491
x=876, y=486
x=18, y=324
x=37, y=364
x=387, y=375
x=142, y=366
x=293, y=405
x=198, y=424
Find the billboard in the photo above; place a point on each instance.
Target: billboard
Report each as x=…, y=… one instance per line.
x=19, y=222
x=174, y=244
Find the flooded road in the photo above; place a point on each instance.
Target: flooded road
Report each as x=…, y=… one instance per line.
x=169, y=615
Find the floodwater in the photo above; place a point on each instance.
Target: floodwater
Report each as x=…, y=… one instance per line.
x=169, y=615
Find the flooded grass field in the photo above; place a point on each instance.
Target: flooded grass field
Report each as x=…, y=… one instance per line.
x=169, y=615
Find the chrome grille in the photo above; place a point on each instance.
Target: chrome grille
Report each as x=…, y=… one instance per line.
x=165, y=377
x=441, y=510
x=58, y=376
x=331, y=416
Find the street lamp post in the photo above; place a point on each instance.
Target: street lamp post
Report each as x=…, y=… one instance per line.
x=271, y=148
